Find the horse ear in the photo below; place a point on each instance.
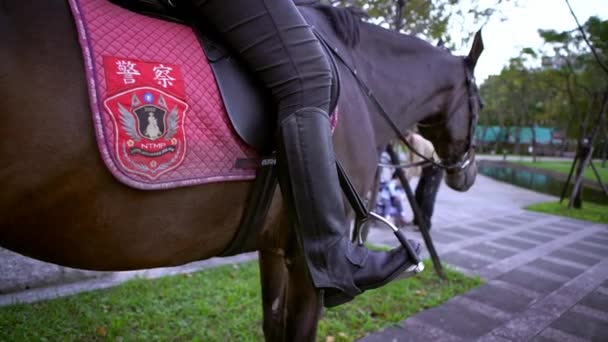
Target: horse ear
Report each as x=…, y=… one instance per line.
x=440, y=43
x=476, y=50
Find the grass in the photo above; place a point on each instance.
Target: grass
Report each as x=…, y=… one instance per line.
x=589, y=212
x=221, y=304
x=564, y=167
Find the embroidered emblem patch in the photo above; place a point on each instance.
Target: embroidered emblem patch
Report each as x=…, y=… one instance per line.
x=148, y=111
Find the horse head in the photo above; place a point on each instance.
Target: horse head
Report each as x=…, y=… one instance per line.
x=452, y=128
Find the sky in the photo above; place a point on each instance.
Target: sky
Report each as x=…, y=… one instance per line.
x=505, y=39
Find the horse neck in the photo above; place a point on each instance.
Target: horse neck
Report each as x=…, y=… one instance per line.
x=410, y=78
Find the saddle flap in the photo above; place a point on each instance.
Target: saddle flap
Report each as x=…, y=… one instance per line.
x=248, y=103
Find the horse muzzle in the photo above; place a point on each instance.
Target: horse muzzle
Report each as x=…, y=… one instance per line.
x=464, y=179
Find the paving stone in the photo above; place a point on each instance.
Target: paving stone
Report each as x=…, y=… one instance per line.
x=555, y=232
x=521, y=218
x=531, y=213
x=573, y=256
x=421, y=331
x=597, y=240
x=505, y=241
x=463, y=231
x=465, y=261
x=441, y=237
x=520, y=290
x=390, y=334
x=487, y=226
x=483, y=308
x=531, y=281
x=534, y=237
x=553, y=335
x=498, y=297
x=596, y=300
x=494, y=338
x=543, y=339
x=574, y=222
x=539, y=272
x=603, y=252
x=458, y=320
x=507, y=223
x=582, y=326
x=568, y=225
x=553, y=267
x=602, y=290
x=591, y=312
x=491, y=251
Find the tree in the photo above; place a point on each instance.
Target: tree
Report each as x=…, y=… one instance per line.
x=585, y=152
x=564, y=91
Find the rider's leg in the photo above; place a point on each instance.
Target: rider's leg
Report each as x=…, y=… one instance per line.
x=275, y=41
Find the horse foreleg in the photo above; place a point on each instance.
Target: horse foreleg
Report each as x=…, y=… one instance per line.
x=273, y=275
x=303, y=302
x=291, y=304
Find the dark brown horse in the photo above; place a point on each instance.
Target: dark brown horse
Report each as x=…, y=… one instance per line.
x=60, y=204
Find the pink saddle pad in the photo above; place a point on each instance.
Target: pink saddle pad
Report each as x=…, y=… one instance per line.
x=159, y=118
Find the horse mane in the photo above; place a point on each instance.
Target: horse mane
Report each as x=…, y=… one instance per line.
x=344, y=20
x=347, y=22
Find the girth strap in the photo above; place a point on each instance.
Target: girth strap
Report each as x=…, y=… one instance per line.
x=256, y=210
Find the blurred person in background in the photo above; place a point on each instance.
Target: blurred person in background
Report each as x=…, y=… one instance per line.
x=430, y=176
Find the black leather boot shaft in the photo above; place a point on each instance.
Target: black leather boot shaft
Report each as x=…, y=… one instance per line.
x=311, y=188
x=309, y=182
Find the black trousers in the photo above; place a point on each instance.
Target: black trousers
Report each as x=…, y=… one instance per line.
x=275, y=41
x=273, y=38
x=426, y=191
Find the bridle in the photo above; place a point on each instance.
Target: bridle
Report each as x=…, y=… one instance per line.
x=473, y=96
x=466, y=159
x=361, y=212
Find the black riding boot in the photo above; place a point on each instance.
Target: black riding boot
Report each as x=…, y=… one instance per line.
x=310, y=185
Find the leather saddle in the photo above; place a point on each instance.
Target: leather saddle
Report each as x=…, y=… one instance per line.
x=248, y=103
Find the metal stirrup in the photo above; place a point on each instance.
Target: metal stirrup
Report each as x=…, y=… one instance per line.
x=363, y=215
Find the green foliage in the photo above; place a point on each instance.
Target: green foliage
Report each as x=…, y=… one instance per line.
x=563, y=92
x=552, y=36
x=598, y=31
x=221, y=304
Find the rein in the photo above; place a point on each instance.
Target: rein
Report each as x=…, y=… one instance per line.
x=466, y=158
x=404, y=166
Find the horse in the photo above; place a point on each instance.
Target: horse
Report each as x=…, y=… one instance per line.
x=60, y=204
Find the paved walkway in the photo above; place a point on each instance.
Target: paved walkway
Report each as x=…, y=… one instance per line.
x=546, y=277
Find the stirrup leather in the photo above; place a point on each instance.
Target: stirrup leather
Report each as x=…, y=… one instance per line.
x=362, y=216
